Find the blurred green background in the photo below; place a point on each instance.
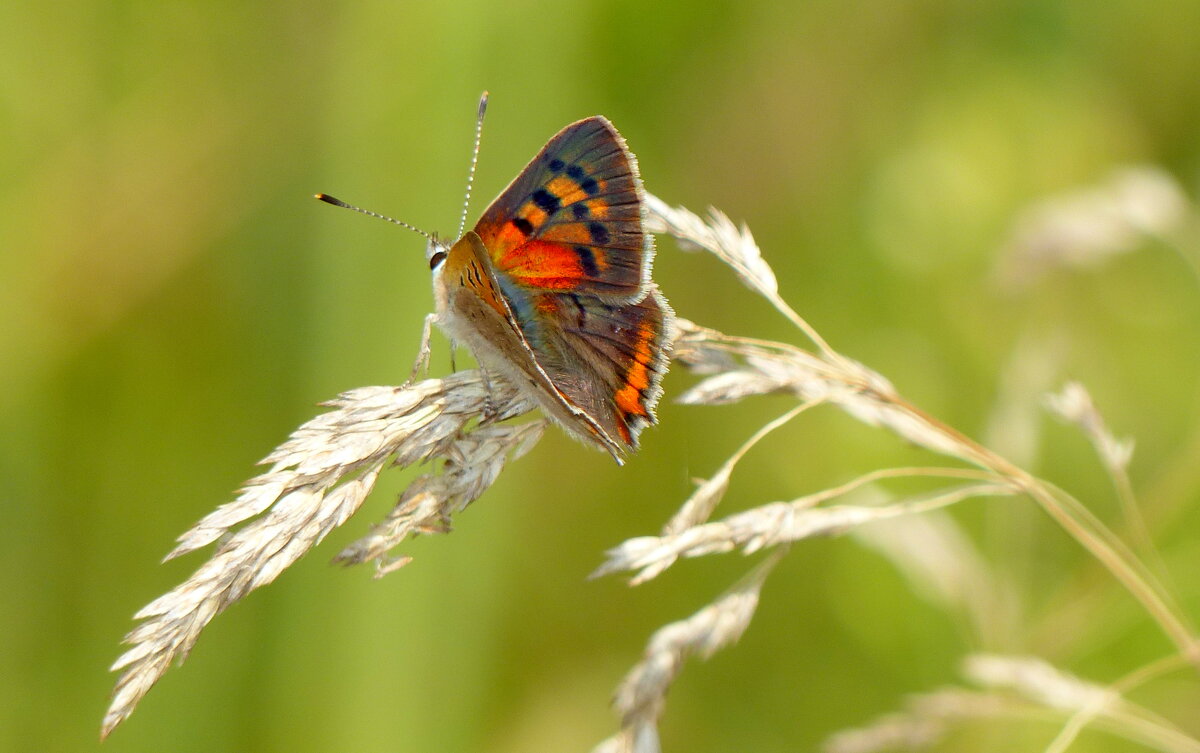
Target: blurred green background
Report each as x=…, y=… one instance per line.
x=175, y=303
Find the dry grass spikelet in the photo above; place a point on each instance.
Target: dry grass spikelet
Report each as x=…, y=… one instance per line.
x=318, y=478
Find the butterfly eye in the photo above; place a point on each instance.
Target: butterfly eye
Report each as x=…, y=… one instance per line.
x=436, y=260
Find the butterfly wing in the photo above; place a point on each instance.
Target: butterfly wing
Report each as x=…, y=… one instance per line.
x=572, y=220
x=607, y=359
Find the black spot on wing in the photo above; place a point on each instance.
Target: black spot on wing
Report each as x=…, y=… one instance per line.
x=580, y=210
x=587, y=260
x=589, y=186
x=599, y=233
x=555, y=165
x=546, y=201
x=524, y=225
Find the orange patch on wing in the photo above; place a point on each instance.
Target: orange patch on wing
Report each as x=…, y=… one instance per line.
x=598, y=208
x=573, y=232
x=566, y=190
x=508, y=236
x=535, y=214
x=637, y=378
x=461, y=265
x=552, y=266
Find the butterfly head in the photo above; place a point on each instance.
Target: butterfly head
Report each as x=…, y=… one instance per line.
x=435, y=254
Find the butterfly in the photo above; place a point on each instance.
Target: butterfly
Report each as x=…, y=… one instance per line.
x=551, y=288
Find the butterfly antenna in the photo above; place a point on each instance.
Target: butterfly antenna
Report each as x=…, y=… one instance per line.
x=339, y=203
x=462, y=223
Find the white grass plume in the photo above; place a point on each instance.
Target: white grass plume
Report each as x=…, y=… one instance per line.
x=1024, y=688
x=641, y=696
x=318, y=478
x=735, y=368
x=1087, y=227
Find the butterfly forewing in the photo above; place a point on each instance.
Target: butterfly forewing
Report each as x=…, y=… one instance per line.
x=571, y=221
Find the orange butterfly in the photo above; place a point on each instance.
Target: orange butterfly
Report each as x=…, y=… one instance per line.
x=552, y=290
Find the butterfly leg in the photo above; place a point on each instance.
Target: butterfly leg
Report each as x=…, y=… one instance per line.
x=490, y=410
x=422, y=362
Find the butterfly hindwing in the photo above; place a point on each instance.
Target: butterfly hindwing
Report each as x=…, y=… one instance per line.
x=571, y=221
x=608, y=359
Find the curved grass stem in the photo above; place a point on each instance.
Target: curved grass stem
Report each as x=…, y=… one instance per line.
x=1091, y=534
